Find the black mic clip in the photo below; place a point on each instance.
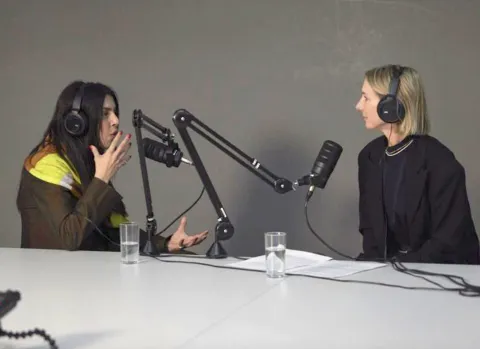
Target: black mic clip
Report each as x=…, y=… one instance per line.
x=170, y=154
x=310, y=179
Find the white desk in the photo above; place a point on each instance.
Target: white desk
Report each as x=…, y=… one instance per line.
x=91, y=300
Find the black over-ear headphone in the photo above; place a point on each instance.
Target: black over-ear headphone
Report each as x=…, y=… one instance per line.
x=390, y=109
x=75, y=121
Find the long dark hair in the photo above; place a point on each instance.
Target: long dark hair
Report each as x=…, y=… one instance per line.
x=75, y=150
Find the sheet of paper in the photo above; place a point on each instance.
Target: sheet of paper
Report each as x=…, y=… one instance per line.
x=336, y=269
x=293, y=259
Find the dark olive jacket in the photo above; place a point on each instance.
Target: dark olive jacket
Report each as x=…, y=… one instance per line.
x=53, y=218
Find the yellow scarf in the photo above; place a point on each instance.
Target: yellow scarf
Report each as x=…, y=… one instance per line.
x=48, y=166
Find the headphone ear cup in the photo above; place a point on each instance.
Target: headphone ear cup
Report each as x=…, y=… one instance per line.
x=390, y=110
x=75, y=124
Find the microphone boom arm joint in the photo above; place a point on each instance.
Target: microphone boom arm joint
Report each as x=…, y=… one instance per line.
x=224, y=229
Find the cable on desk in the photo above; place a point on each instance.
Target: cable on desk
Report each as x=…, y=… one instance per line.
x=314, y=277
x=25, y=334
x=466, y=289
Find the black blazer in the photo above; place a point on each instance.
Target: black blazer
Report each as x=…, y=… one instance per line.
x=439, y=222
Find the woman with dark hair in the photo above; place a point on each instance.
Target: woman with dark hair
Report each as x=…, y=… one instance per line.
x=65, y=188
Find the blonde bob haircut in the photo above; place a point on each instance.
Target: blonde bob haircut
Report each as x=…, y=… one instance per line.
x=410, y=92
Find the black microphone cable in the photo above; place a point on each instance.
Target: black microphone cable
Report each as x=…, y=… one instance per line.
x=305, y=210
x=164, y=259
x=183, y=213
x=465, y=289
x=162, y=231
x=98, y=230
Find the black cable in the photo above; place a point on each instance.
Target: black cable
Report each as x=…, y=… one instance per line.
x=191, y=256
x=466, y=289
x=97, y=228
x=162, y=231
x=318, y=237
x=25, y=334
x=181, y=214
x=142, y=253
x=314, y=277
x=394, y=266
x=383, y=164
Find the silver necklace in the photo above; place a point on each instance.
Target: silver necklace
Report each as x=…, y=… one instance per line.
x=399, y=150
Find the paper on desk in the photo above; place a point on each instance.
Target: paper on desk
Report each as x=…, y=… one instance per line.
x=311, y=264
x=293, y=259
x=336, y=269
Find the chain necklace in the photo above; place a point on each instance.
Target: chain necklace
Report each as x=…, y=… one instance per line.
x=399, y=150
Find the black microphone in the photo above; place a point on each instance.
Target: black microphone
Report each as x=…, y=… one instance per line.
x=169, y=155
x=322, y=167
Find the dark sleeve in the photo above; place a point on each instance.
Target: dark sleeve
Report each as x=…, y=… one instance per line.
x=365, y=225
x=450, y=214
x=161, y=243
x=66, y=215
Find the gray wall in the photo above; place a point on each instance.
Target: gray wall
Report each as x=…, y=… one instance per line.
x=276, y=78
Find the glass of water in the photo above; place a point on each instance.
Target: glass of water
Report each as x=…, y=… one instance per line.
x=275, y=248
x=129, y=242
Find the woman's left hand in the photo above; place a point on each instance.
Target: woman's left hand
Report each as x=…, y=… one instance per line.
x=180, y=239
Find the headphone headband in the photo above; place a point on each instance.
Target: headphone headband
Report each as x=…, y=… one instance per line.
x=390, y=109
x=395, y=81
x=77, y=101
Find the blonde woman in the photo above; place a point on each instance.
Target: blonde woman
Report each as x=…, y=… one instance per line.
x=413, y=201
